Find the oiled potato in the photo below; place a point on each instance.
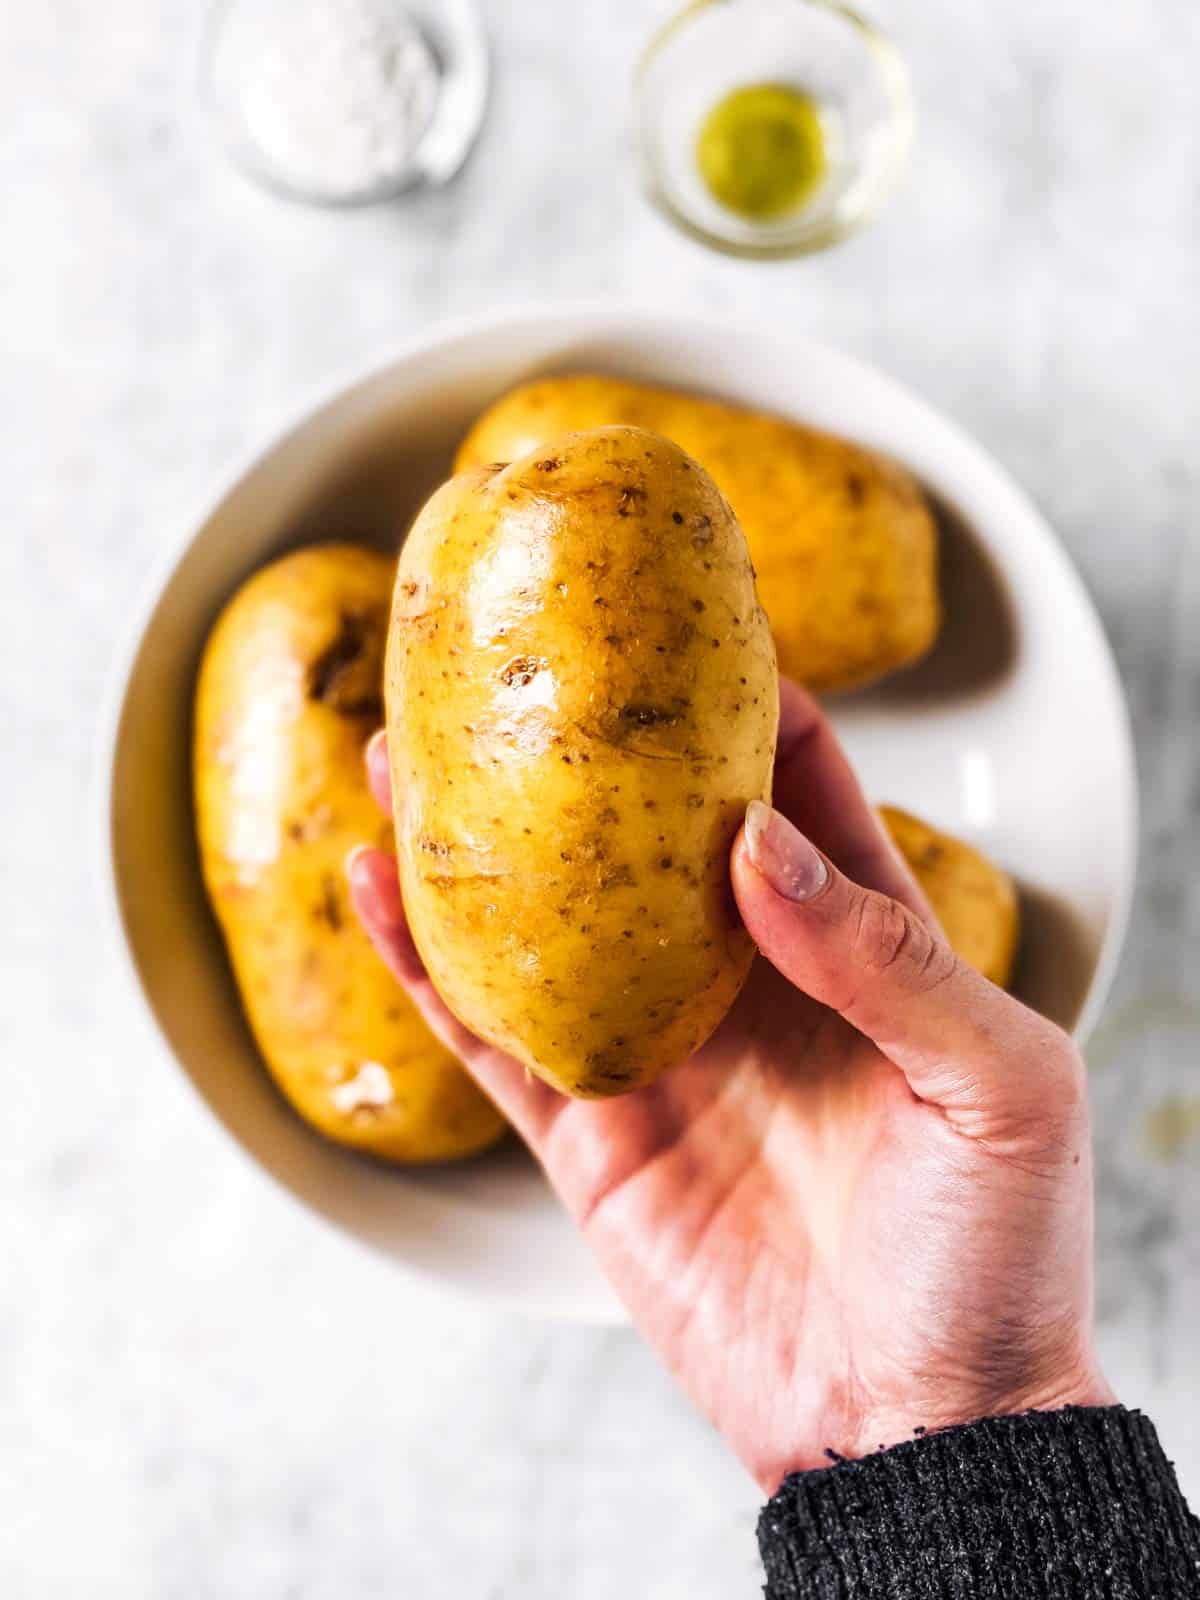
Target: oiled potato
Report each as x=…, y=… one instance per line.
x=581, y=700
x=974, y=900
x=842, y=539
x=290, y=687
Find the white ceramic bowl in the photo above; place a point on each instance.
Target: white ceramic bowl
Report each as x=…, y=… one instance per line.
x=1013, y=733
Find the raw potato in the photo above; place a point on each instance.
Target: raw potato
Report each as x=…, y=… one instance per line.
x=290, y=688
x=974, y=900
x=581, y=700
x=842, y=539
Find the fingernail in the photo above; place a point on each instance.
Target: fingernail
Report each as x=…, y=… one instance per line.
x=353, y=855
x=376, y=895
x=792, y=866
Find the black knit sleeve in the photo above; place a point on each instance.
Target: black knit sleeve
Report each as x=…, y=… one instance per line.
x=1052, y=1505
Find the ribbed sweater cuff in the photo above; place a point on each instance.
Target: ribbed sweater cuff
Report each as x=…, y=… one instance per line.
x=1079, y=1504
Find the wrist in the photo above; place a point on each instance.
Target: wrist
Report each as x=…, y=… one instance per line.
x=1085, y=1387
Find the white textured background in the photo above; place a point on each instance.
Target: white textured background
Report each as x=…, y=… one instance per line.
x=202, y=1392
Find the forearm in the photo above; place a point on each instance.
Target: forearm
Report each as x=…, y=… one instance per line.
x=1079, y=1504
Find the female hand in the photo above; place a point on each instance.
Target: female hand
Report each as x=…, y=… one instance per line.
x=863, y=1209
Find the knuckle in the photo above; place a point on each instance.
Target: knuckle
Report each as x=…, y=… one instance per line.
x=1050, y=1093
x=890, y=941
x=1065, y=1072
x=879, y=932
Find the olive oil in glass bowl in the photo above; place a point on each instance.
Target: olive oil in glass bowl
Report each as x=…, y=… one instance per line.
x=771, y=127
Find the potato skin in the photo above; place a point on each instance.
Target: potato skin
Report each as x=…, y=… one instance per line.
x=975, y=901
x=289, y=690
x=842, y=539
x=581, y=701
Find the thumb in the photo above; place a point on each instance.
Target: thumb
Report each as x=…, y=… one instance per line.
x=990, y=1063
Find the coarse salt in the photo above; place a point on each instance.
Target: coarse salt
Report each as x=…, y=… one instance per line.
x=330, y=97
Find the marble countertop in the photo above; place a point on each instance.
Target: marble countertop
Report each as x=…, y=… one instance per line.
x=202, y=1392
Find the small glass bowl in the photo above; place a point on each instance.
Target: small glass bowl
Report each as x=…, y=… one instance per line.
x=855, y=75
x=452, y=40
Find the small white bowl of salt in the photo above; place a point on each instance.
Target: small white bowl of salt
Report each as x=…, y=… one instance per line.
x=346, y=102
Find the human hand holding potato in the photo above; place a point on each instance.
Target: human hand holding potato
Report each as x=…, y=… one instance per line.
x=822, y=1218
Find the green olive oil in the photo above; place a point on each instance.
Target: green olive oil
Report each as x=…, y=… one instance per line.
x=761, y=150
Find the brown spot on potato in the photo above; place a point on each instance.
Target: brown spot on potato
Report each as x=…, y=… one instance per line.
x=618, y=877
x=302, y=830
x=341, y=676
x=520, y=671
x=641, y=715
x=329, y=909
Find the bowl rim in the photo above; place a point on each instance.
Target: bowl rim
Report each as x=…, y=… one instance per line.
x=600, y=315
